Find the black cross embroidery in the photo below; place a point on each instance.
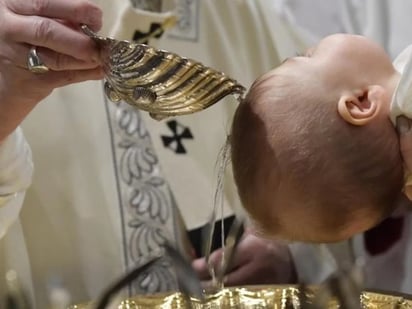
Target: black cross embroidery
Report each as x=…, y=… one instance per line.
x=175, y=142
x=143, y=37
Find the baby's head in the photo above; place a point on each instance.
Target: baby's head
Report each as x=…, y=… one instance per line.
x=315, y=156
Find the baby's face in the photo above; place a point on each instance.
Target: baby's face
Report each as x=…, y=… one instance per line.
x=340, y=62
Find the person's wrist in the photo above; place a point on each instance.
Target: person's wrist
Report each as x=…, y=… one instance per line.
x=14, y=108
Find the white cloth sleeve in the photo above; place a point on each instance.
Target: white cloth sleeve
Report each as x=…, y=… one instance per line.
x=16, y=170
x=315, y=263
x=312, y=267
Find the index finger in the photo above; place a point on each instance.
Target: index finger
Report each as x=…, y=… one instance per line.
x=76, y=11
x=51, y=34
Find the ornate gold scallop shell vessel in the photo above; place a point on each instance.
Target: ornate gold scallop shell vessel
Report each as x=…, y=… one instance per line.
x=159, y=82
x=262, y=297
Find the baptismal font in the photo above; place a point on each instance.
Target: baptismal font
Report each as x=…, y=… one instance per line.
x=343, y=290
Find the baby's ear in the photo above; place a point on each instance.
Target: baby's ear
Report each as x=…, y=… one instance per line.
x=361, y=107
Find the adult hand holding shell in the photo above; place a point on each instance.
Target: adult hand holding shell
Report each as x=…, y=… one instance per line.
x=42, y=48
